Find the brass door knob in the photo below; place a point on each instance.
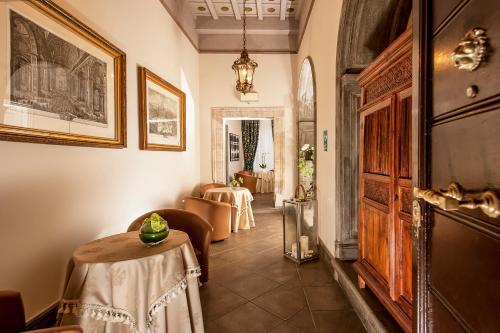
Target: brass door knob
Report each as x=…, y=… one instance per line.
x=455, y=197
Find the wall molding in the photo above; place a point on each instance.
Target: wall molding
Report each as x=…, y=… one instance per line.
x=46, y=318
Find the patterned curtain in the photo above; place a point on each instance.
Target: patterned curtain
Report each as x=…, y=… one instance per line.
x=250, y=138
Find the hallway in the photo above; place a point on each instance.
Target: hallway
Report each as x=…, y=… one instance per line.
x=252, y=288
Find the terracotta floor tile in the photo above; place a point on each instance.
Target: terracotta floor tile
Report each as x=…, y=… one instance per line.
x=329, y=297
x=285, y=328
x=315, y=274
x=217, y=301
x=250, y=286
x=282, y=302
x=303, y=320
x=281, y=271
x=248, y=318
x=340, y=321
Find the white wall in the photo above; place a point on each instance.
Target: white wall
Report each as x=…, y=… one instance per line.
x=234, y=127
x=274, y=80
x=54, y=198
x=320, y=42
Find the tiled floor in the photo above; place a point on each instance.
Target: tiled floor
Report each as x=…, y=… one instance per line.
x=252, y=288
x=263, y=201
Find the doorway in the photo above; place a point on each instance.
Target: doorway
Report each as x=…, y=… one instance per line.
x=249, y=157
x=221, y=156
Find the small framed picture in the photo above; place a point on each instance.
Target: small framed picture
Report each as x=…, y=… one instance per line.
x=162, y=113
x=234, y=147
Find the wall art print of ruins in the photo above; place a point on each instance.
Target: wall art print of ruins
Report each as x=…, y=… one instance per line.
x=163, y=114
x=52, y=75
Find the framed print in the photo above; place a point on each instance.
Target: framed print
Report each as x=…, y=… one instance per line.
x=234, y=147
x=60, y=82
x=162, y=113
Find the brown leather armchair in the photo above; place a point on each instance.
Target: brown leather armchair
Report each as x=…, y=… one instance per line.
x=218, y=214
x=249, y=181
x=198, y=229
x=205, y=187
x=12, y=318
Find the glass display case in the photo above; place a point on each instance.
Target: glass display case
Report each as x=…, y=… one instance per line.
x=300, y=230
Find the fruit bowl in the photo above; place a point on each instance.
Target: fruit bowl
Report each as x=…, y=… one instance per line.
x=154, y=230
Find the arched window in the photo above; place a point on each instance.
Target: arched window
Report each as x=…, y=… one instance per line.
x=306, y=125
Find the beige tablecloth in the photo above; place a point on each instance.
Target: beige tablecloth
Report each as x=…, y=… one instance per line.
x=265, y=181
x=240, y=199
x=121, y=285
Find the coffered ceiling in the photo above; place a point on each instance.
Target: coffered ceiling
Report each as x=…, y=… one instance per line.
x=254, y=8
x=216, y=25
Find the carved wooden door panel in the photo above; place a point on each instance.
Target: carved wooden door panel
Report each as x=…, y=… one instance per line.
x=376, y=208
x=460, y=237
x=402, y=287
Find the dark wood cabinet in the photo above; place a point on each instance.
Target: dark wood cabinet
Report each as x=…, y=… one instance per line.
x=385, y=187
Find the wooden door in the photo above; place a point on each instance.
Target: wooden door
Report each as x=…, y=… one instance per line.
x=376, y=193
x=458, y=119
x=384, y=262
x=402, y=287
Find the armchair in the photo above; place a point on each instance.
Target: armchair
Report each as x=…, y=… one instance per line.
x=218, y=214
x=12, y=318
x=249, y=181
x=198, y=229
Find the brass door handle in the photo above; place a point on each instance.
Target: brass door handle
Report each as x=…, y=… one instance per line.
x=455, y=197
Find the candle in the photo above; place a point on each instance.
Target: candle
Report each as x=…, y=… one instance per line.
x=294, y=250
x=304, y=246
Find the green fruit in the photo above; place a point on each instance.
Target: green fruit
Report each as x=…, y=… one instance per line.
x=147, y=228
x=154, y=236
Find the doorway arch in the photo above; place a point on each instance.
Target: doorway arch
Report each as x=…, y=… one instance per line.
x=367, y=27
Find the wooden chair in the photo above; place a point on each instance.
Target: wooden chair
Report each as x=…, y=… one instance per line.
x=12, y=318
x=205, y=187
x=218, y=214
x=249, y=181
x=198, y=229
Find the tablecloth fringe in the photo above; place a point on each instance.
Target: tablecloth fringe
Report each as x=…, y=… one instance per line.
x=111, y=314
x=166, y=298
x=98, y=312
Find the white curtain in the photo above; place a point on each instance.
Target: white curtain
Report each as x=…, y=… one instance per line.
x=265, y=147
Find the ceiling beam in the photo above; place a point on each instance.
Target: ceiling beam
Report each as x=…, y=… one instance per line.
x=283, y=10
x=260, y=14
x=212, y=9
x=236, y=9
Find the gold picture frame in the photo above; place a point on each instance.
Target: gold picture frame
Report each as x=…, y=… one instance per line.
x=162, y=113
x=65, y=83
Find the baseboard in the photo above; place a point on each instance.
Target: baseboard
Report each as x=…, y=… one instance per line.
x=45, y=319
x=367, y=316
x=347, y=250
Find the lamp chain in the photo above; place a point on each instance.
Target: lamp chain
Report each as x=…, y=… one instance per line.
x=244, y=25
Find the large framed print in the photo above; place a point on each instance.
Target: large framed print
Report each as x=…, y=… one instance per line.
x=60, y=82
x=162, y=113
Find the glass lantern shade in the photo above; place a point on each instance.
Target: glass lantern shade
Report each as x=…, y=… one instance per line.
x=244, y=68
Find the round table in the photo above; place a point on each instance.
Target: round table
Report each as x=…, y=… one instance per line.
x=240, y=200
x=265, y=181
x=120, y=284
